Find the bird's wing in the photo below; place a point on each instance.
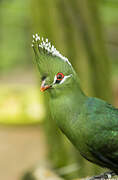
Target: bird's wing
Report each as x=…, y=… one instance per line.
x=102, y=120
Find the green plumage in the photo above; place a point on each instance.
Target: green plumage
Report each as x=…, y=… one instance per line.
x=89, y=123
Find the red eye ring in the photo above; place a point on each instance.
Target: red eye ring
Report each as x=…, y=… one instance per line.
x=60, y=76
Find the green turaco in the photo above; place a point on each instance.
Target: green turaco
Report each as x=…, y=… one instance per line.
x=91, y=124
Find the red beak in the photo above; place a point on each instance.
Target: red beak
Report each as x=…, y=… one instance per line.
x=44, y=87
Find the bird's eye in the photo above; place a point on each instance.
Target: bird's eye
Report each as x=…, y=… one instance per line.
x=59, y=76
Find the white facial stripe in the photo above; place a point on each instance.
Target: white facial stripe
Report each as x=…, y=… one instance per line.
x=65, y=77
x=55, y=78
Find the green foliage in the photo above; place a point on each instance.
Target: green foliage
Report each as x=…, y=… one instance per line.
x=20, y=107
x=15, y=24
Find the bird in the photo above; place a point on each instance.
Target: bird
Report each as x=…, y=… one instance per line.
x=90, y=123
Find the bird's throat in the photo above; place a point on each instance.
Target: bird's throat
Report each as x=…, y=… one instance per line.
x=65, y=108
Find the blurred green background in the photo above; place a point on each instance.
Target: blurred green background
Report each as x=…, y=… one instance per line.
x=84, y=31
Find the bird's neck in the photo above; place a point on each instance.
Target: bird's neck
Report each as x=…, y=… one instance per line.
x=65, y=108
x=73, y=90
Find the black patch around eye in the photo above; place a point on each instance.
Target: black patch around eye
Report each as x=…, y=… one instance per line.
x=43, y=78
x=57, y=81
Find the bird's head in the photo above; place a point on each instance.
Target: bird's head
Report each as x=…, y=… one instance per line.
x=56, y=71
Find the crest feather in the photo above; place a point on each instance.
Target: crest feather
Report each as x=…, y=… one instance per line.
x=46, y=46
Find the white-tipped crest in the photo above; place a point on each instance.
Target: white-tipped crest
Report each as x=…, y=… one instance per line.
x=44, y=44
